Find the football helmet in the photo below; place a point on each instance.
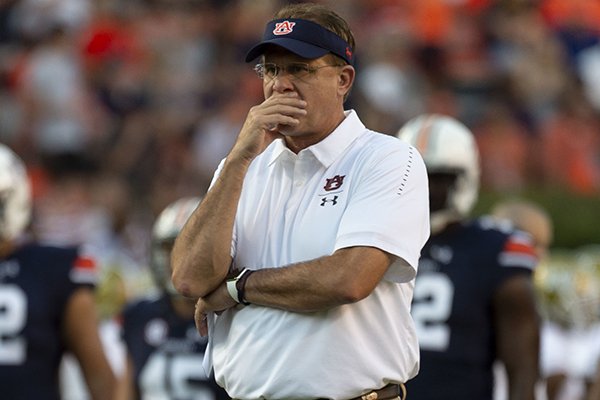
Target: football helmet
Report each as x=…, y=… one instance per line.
x=15, y=195
x=166, y=228
x=447, y=147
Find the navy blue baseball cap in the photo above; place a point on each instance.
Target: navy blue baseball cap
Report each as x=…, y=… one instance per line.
x=304, y=38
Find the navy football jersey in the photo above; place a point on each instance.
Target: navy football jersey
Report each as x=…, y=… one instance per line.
x=458, y=273
x=35, y=284
x=167, y=352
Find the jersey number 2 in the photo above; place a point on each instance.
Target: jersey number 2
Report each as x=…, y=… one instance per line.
x=432, y=305
x=13, y=316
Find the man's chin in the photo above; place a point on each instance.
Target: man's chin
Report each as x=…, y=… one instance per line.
x=287, y=130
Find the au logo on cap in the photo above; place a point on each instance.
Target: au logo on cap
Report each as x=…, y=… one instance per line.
x=283, y=28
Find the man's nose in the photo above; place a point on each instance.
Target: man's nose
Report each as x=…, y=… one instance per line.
x=282, y=82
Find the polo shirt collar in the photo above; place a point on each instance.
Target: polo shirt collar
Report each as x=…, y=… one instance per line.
x=330, y=148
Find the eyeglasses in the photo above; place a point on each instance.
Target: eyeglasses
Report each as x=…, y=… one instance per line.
x=269, y=71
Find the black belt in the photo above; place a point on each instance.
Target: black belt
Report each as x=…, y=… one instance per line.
x=391, y=391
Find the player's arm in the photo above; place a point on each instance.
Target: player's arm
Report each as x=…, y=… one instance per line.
x=126, y=385
x=518, y=328
x=80, y=329
x=201, y=255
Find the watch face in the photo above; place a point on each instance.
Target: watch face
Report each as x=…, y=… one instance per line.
x=232, y=289
x=235, y=286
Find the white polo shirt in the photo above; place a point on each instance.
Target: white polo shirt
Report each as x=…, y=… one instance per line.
x=354, y=188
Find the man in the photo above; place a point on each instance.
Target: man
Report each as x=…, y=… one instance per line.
x=46, y=303
x=325, y=220
x=474, y=301
x=164, y=350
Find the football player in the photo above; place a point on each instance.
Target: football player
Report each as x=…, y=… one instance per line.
x=474, y=299
x=46, y=303
x=164, y=350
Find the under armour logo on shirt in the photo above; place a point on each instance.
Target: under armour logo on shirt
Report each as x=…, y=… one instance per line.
x=325, y=200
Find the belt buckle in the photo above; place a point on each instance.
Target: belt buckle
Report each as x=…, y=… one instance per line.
x=370, y=396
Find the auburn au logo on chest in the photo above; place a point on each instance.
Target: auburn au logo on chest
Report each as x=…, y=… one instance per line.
x=334, y=183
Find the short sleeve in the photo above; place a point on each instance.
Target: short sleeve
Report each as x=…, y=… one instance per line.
x=389, y=209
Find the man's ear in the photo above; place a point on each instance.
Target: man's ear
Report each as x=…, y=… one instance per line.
x=346, y=79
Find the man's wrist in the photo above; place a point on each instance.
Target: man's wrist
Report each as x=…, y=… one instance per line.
x=237, y=286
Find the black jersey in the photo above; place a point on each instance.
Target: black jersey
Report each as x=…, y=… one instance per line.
x=36, y=282
x=167, y=353
x=458, y=273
